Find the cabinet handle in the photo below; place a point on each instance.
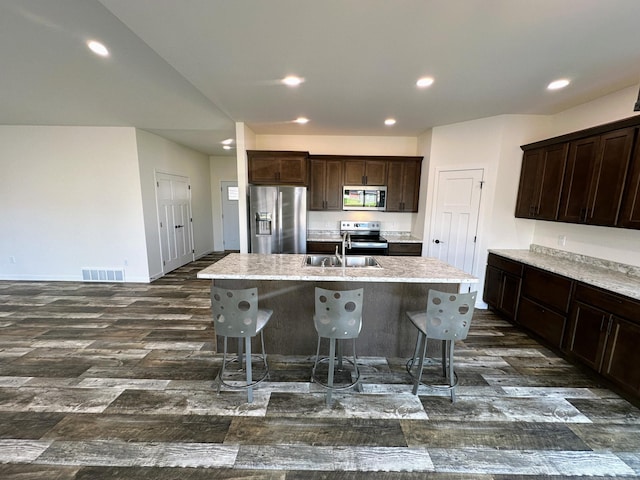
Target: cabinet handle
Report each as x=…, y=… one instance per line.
x=609, y=326
x=583, y=214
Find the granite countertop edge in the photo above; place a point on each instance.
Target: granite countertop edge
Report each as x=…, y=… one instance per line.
x=290, y=267
x=611, y=276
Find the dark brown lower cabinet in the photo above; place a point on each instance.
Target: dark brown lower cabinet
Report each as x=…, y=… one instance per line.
x=595, y=327
x=544, y=304
x=588, y=334
x=622, y=355
x=542, y=321
x=502, y=285
x=605, y=341
x=405, y=249
x=322, y=247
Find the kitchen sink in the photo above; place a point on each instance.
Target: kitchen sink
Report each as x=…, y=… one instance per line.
x=331, y=261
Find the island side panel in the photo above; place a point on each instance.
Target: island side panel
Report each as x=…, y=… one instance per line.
x=385, y=331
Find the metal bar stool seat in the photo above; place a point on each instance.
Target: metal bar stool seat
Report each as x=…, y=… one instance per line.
x=338, y=316
x=236, y=315
x=446, y=318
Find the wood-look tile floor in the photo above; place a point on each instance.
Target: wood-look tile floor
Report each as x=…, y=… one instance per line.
x=114, y=381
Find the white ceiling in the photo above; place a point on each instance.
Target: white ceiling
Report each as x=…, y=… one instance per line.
x=189, y=69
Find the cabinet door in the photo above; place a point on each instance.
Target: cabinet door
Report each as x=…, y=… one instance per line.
x=317, y=193
x=277, y=167
x=588, y=335
x=365, y=172
x=325, y=191
x=575, y=192
x=375, y=172
x=622, y=355
x=595, y=178
x=541, y=182
x=609, y=176
x=630, y=210
x=492, y=286
x=529, y=189
x=263, y=170
x=403, y=184
x=293, y=170
x=510, y=295
x=333, y=185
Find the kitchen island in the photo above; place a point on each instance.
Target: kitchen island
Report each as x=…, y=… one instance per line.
x=287, y=286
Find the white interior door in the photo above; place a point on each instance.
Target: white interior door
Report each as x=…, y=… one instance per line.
x=230, y=216
x=173, y=196
x=455, y=223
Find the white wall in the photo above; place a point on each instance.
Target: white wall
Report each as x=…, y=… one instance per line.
x=157, y=154
x=70, y=198
x=223, y=169
x=615, y=244
x=347, y=145
x=491, y=144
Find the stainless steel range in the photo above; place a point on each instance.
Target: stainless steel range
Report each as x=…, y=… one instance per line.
x=365, y=238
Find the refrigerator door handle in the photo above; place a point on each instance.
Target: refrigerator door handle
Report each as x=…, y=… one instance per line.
x=279, y=221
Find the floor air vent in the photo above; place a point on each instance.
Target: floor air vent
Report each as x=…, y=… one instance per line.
x=102, y=275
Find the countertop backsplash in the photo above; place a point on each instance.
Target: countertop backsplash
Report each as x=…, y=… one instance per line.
x=623, y=268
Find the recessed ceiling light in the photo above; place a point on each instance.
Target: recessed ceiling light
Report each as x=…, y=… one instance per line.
x=292, y=81
x=390, y=121
x=424, y=82
x=98, y=48
x=226, y=147
x=301, y=120
x=557, y=84
x=228, y=141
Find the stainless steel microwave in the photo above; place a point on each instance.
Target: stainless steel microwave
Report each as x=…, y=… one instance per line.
x=361, y=197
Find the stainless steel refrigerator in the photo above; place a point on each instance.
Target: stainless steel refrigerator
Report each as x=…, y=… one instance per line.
x=278, y=219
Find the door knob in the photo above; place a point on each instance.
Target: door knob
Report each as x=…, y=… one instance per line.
x=437, y=241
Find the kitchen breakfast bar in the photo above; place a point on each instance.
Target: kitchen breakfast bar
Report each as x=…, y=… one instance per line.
x=286, y=284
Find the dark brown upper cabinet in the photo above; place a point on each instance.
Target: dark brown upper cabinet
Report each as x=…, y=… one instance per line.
x=325, y=190
x=365, y=171
x=403, y=184
x=541, y=182
x=595, y=178
x=630, y=210
x=277, y=167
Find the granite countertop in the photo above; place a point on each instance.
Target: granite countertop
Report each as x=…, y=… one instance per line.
x=290, y=267
x=614, y=277
x=334, y=236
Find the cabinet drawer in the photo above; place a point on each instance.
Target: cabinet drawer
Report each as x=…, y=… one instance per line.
x=542, y=321
x=406, y=249
x=547, y=288
x=610, y=302
x=510, y=266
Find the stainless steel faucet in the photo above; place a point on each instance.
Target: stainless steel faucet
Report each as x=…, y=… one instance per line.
x=346, y=240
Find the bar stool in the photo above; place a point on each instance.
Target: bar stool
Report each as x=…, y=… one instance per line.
x=338, y=316
x=236, y=314
x=446, y=318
